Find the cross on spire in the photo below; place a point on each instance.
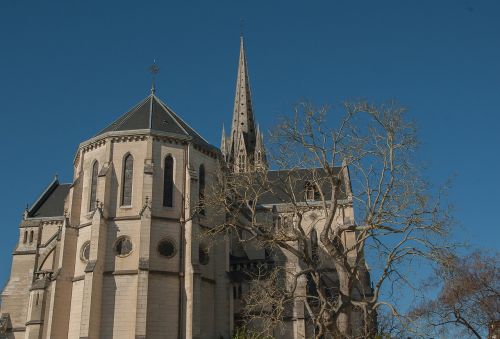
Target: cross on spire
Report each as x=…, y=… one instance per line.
x=153, y=69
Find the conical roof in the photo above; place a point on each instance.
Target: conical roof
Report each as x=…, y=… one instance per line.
x=152, y=114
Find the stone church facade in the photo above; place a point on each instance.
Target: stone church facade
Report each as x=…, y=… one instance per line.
x=114, y=254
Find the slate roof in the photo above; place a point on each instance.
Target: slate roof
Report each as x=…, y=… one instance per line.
x=300, y=177
x=280, y=192
x=51, y=201
x=152, y=114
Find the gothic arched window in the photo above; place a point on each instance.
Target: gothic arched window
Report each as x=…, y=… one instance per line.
x=25, y=239
x=128, y=173
x=93, y=186
x=168, y=182
x=311, y=190
x=32, y=235
x=201, y=188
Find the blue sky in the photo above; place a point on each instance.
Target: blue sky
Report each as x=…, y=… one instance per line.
x=68, y=68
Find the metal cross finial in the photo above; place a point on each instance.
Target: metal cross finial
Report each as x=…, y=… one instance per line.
x=154, y=69
x=241, y=26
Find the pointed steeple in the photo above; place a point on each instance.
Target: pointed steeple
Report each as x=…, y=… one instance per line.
x=258, y=142
x=243, y=121
x=260, y=151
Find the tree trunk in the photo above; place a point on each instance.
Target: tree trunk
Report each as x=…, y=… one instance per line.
x=344, y=317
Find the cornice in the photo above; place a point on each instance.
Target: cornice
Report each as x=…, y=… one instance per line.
x=140, y=135
x=41, y=221
x=119, y=135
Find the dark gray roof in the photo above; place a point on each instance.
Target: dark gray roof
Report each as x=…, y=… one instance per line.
x=284, y=183
x=151, y=113
x=51, y=201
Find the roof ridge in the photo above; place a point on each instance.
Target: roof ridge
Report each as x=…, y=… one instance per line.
x=169, y=111
x=123, y=118
x=152, y=95
x=129, y=113
x=152, y=114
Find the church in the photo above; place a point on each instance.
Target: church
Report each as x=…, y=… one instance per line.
x=114, y=254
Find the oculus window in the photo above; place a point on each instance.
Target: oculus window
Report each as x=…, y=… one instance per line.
x=166, y=248
x=123, y=246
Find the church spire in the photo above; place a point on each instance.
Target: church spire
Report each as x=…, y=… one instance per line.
x=243, y=136
x=243, y=121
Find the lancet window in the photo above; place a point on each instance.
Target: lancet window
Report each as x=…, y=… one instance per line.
x=93, y=186
x=128, y=173
x=168, y=182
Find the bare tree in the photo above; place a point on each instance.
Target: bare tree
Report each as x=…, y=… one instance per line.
x=468, y=298
x=389, y=326
x=327, y=165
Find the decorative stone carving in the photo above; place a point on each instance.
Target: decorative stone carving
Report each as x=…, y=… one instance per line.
x=146, y=208
x=4, y=324
x=90, y=266
x=30, y=223
x=42, y=280
x=94, y=145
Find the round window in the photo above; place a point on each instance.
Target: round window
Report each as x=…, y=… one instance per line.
x=123, y=246
x=166, y=248
x=203, y=256
x=85, y=252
